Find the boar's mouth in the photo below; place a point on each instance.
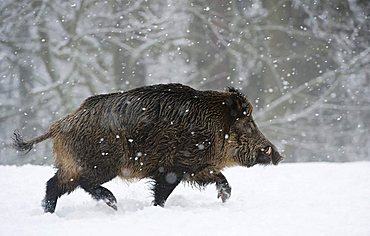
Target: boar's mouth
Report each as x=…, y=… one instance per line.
x=268, y=155
x=263, y=156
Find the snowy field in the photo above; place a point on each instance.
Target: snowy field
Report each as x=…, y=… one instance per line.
x=289, y=199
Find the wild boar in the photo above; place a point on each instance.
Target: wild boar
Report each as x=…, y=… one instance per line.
x=168, y=133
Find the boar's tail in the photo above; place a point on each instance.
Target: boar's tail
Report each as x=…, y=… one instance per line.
x=21, y=145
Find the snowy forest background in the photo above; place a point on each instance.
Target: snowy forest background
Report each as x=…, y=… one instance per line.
x=305, y=65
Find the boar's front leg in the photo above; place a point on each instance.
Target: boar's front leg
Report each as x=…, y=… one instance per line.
x=164, y=184
x=222, y=186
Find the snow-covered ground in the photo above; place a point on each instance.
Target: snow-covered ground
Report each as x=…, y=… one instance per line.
x=289, y=199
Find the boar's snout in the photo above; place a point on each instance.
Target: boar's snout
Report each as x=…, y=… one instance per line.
x=268, y=155
x=276, y=158
x=252, y=146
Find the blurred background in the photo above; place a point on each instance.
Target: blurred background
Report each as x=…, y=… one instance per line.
x=304, y=64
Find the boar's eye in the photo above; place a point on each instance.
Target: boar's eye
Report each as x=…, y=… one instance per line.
x=247, y=109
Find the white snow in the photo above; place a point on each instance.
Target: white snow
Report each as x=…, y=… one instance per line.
x=289, y=199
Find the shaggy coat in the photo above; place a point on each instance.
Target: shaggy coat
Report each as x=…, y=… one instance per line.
x=169, y=133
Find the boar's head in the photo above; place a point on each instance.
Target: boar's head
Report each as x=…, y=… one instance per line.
x=249, y=146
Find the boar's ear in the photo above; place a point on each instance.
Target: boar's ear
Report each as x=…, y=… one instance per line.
x=234, y=90
x=238, y=105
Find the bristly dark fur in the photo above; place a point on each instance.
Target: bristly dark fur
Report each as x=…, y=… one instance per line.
x=168, y=133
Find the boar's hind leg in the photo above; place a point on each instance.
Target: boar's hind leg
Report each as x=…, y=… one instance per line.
x=164, y=184
x=222, y=186
x=55, y=188
x=99, y=193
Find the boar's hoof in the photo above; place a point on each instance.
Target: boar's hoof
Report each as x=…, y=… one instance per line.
x=49, y=205
x=111, y=203
x=161, y=204
x=109, y=199
x=224, y=192
x=100, y=193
